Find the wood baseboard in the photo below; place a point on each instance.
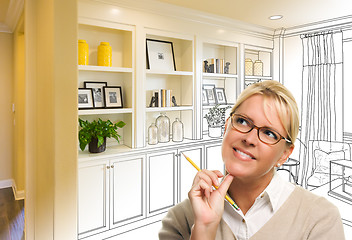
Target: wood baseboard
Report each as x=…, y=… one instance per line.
x=11, y=183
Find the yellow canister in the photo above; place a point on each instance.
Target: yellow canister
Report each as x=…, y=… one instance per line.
x=83, y=52
x=104, y=54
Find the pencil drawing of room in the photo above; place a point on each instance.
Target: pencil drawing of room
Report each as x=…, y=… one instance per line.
x=73, y=194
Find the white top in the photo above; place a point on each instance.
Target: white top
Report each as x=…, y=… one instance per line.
x=264, y=207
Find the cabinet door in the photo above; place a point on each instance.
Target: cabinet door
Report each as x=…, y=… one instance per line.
x=93, y=192
x=213, y=158
x=161, y=182
x=186, y=171
x=126, y=184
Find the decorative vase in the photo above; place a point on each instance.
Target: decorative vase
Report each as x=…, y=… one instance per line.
x=258, y=68
x=214, y=131
x=248, y=66
x=152, y=134
x=177, y=131
x=83, y=52
x=163, y=125
x=93, y=146
x=104, y=54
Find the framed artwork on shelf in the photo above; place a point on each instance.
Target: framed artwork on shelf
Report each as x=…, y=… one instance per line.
x=98, y=94
x=113, y=97
x=220, y=96
x=210, y=93
x=160, y=55
x=204, y=97
x=85, y=98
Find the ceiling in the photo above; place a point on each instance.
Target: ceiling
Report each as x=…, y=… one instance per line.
x=295, y=12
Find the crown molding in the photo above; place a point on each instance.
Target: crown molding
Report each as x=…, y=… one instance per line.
x=13, y=14
x=169, y=10
x=340, y=23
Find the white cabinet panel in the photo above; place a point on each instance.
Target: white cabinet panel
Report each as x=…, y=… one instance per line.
x=126, y=189
x=92, y=198
x=214, y=158
x=161, y=181
x=186, y=171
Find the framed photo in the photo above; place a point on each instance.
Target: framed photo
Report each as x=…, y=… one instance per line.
x=210, y=92
x=220, y=96
x=204, y=97
x=113, y=97
x=160, y=55
x=98, y=94
x=85, y=98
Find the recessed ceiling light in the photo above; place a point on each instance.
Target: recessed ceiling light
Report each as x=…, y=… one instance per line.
x=275, y=17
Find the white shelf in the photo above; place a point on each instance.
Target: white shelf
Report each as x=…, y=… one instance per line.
x=168, y=109
x=82, y=112
x=175, y=73
x=248, y=78
x=219, y=75
x=104, y=69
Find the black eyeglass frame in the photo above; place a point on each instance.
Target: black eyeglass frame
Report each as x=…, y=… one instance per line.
x=252, y=125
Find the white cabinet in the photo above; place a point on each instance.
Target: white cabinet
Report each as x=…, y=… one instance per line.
x=126, y=184
x=110, y=193
x=161, y=181
x=186, y=171
x=213, y=157
x=93, y=198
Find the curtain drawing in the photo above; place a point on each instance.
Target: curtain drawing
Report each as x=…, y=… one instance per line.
x=322, y=79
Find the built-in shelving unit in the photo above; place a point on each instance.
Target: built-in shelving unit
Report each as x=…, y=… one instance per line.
x=121, y=73
x=180, y=82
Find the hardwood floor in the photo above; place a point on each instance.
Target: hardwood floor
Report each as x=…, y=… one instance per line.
x=11, y=216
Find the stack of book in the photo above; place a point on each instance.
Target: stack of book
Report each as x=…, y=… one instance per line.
x=162, y=98
x=215, y=65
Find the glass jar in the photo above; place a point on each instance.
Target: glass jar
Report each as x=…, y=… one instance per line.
x=152, y=134
x=258, y=68
x=83, y=52
x=177, y=131
x=163, y=125
x=104, y=54
x=248, y=67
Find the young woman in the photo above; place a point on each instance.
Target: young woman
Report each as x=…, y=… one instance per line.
x=259, y=137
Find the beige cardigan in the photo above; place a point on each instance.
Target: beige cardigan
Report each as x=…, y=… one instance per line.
x=304, y=215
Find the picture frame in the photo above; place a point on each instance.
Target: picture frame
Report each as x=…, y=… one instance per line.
x=98, y=92
x=85, y=98
x=113, y=97
x=204, y=97
x=220, y=96
x=160, y=55
x=210, y=93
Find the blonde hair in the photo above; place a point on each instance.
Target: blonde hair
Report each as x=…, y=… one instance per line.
x=284, y=102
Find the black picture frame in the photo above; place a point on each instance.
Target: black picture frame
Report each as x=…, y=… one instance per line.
x=85, y=98
x=210, y=92
x=98, y=92
x=160, y=55
x=220, y=96
x=113, y=97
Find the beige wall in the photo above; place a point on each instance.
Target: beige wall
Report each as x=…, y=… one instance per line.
x=18, y=170
x=6, y=116
x=51, y=119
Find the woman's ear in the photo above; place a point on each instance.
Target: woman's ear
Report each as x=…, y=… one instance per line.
x=286, y=154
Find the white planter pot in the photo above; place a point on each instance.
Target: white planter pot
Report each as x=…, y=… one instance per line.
x=214, y=131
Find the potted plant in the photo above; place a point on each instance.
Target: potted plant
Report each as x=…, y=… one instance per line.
x=95, y=133
x=216, y=120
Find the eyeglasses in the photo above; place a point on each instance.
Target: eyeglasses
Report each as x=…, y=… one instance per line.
x=265, y=134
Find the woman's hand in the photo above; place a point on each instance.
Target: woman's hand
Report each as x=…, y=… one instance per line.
x=207, y=203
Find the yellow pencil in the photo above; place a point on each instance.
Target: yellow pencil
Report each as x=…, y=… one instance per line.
x=198, y=169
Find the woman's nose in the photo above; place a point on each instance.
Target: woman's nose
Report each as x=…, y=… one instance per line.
x=251, y=137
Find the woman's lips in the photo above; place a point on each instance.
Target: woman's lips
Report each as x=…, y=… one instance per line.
x=243, y=154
